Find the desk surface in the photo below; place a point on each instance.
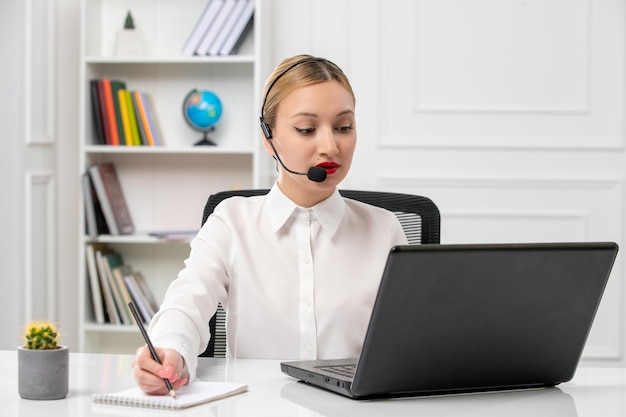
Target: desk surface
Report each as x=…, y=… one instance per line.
x=592, y=392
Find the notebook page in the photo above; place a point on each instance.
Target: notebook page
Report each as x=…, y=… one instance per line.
x=197, y=392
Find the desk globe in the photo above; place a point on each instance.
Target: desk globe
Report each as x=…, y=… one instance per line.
x=202, y=109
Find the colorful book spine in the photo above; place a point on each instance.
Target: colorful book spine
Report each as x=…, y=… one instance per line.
x=96, y=113
x=125, y=116
x=143, y=117
x=132, y=116
x=116, y=86
x=110, y=112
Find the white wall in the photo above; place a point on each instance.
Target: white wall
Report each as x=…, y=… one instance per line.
x=10, y=186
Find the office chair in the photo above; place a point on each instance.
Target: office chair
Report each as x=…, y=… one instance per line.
x=418, y=215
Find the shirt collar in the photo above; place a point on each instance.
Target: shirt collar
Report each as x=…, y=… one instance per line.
x=328, y=212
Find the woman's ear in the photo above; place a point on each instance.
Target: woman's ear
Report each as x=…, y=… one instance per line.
x=266, y=145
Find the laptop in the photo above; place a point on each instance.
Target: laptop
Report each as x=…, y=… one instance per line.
x=472, y=317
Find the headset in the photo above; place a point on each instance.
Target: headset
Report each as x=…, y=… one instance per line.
x=265, y=127
x=316, y=174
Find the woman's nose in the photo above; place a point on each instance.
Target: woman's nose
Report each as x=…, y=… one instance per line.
x=327, y=142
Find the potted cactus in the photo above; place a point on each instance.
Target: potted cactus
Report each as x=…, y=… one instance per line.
x=43, y=364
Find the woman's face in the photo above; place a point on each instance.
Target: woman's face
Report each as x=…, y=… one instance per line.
x=315, y=126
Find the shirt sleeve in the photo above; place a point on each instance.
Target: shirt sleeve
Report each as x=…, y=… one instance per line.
x=192, y=298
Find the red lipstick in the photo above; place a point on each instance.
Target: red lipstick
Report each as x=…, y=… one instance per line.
x=330, y=167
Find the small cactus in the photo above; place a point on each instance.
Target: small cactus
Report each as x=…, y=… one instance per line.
x=41, y=334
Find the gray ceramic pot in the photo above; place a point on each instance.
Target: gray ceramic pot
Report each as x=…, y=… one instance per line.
x=43, y=374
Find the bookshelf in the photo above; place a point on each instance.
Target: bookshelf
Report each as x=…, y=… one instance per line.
x=165, y=187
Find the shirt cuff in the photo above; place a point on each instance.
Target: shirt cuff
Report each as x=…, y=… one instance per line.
x=172, y=329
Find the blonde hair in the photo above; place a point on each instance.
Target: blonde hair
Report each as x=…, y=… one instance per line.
x=293, y=73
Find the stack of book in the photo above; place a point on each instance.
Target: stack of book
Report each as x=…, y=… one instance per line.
x=113, y=284
x=121, y=116
x=106, y=211
x=221, y=28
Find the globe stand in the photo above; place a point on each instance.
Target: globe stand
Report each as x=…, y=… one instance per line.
x=205, y=141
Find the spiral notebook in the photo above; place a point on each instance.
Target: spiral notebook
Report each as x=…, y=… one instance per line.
x=195, y=393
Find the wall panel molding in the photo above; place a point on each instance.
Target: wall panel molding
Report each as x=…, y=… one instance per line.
x=39, y=260
x=542, y=209
x=39, y=93
x=467, y=77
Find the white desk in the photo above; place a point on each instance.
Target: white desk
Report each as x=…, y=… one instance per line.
x=593, y=392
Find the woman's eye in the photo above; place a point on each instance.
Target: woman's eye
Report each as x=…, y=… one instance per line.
x=305, y=130
x=345, y=128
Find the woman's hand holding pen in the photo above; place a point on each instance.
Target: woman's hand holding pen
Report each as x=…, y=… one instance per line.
x=150, y=375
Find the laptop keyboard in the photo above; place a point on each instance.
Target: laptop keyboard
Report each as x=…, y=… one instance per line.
x=342, y=370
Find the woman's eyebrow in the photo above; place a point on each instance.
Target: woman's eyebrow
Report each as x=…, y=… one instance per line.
x=307, y=114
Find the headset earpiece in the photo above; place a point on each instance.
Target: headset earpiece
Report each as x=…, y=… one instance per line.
x=265, y=127
x=267, y=131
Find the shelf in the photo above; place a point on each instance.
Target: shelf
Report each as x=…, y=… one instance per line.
x=110, y=328
x=137, y=238
x=164, y=150
x=183, y=59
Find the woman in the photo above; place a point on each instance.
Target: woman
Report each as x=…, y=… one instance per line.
x=296, y=270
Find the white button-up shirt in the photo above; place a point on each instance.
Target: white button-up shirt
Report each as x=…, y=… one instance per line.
x=296, y=283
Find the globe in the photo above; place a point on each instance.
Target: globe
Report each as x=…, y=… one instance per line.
x=202, y=109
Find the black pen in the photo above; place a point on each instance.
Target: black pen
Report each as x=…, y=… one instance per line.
x=133, y=310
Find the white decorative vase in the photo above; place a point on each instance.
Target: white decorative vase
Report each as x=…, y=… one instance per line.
x=43, y=374
x=129, y=43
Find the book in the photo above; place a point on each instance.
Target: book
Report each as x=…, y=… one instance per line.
x=101, y=224
x=125, y=116
x=148, y=119
x=202, y=25
x=146, y=291
x=230, y=22
x=119, y=273
x=138, y=297
x=104, y=118
x=239, y=30
x=94, y=286
x=216, y=26
x=142, y=116
x=111, y=197
x=116, y=86
x=194, y=393
x=111, y=118
x=96, y=113
x=111, y=260
x=105, y=285
x=151, y=117
x=174, y=235
x=91, y=229
x=132, y=117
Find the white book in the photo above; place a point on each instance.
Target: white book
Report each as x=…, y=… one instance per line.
x=228, y=26
x=139, y=298
x=238, y=29
x=94, y=284
x=216, y=27
x=203, y=24
x=114, y=317
x=90, y=211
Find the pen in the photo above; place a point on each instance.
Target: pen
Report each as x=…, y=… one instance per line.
x=133, y=310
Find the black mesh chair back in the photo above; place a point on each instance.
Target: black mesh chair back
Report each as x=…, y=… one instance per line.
x=418, y=215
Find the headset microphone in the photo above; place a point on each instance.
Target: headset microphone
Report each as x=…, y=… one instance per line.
x=316, y=174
